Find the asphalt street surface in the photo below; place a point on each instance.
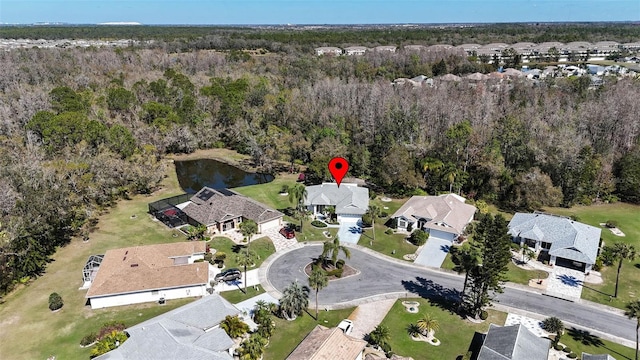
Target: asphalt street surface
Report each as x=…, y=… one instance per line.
x=379, y=276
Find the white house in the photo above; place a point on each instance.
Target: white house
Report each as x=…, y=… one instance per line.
x=149, y=273
x=190, y=332
x=350, y=200
x=328, y=50
x=355, y=50
x=444, y=216
x=223, y=210
x=568, y=242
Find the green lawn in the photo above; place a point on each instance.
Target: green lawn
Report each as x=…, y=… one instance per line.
x=387, y=243
x=237, y=296
x=289, y=334
x=514, y=273
x=269, y=193
x=263, y=247
x=30, y=331
x=628, y=221
x=455, y=334
x=582, y=341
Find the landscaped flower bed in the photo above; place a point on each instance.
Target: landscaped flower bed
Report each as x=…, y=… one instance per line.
x=318, y=224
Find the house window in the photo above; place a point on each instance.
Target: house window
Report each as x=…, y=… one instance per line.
x=402, y=223
x=154, y=292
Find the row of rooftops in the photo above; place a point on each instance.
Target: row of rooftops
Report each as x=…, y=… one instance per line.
x=62, y=43
x=520, y=48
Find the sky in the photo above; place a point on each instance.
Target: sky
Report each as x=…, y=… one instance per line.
x=244, y=12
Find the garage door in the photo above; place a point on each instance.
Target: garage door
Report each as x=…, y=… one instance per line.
x=270, y=224
x=441, y=235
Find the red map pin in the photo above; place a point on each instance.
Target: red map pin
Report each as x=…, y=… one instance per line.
x=338, y=168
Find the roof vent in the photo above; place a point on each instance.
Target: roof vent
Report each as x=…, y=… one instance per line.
x=134, y=265
x=124, y=258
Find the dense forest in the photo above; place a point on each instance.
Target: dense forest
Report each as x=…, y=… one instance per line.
x=82, y=128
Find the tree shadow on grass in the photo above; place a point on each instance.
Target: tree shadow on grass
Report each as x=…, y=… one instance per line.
x=586, y=338
x=438, y=295
x=598, y=291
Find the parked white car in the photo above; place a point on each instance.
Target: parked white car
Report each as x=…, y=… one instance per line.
x=346, y=326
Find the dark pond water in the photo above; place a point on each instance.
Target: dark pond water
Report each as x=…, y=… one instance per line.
x=193, y=175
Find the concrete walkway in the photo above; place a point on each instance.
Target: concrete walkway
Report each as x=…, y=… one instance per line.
x=367, y=316
x=433, y=252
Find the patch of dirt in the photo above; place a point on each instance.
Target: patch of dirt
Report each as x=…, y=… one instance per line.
x=346, y=271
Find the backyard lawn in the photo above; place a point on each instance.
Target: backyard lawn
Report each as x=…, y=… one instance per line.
x=30, y=331
x=289, y=334
x=626, y=215
x=263, y=247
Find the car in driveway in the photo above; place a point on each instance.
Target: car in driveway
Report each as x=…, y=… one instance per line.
x=228, y=275
x=346, y=326
x=287, y=232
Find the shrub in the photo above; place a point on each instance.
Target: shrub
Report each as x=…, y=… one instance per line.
x=598, y=265
x=110, y=327
x=89, y=339
x=367, y=220
x=606, y=255
x=567, y=349
x=198, y=260
x=55, y=302
x=383, y=214
x=340, y=264
x=410, y=227
x=558, y=347
x=388, y=231
x=209, y=258
x=484, y=315
x=220, y=264
x=335, y=272
x=611, y=224
x=419, y=237
x=220, y=256
x=284, y=189
x=572, y=355
x=318, y=224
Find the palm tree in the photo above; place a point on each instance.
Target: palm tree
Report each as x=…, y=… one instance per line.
x=633, y=312
x=413, y=330
x=252, y=348
x=247, y=258
x=621, y=252
x=196, y=232
x=374, y=211
x=295, y=299
x=234, y=326
x=297, y=195
x=380, y=335
x=247, y=228
x=333, y=247
x=262, y=312
x=317, y=281
x=527, y=253
x=427, y=325
x=466, y=258
x=553, y=325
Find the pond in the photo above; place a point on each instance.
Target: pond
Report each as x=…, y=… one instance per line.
x=193, y=175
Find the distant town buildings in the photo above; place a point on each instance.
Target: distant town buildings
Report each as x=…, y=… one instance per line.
x=527, y=51
x=8, y=44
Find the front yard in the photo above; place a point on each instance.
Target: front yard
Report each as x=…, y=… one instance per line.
x=263, y=247
x=626, y=215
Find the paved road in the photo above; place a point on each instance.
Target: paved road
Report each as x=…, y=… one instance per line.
x=379, y=276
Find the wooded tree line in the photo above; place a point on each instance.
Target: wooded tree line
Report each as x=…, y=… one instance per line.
x=82, y=128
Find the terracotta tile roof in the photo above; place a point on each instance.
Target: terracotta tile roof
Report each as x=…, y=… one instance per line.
x=211, y=206
x=327, y=344
x=143, y=268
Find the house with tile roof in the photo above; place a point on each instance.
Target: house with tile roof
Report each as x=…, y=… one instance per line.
x=190, y=332
x=569, y=243
x=149, y=273
x=324, y=343
x=444, y=216
x=223, y=210
x=513, y=342
x=350, y=200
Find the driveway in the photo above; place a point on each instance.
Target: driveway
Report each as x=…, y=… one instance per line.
x=350, y=230
x=382, y=275
x=279, y=242
x=565, y=283
x=433, y=252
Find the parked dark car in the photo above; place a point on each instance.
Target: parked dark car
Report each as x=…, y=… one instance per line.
x=288, y=233
x=229, y=275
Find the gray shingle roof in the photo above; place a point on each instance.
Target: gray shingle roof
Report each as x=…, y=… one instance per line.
x=222, y=206
x=189, y=332
x=513, y=342
x=569, y=239
x=348, y=198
